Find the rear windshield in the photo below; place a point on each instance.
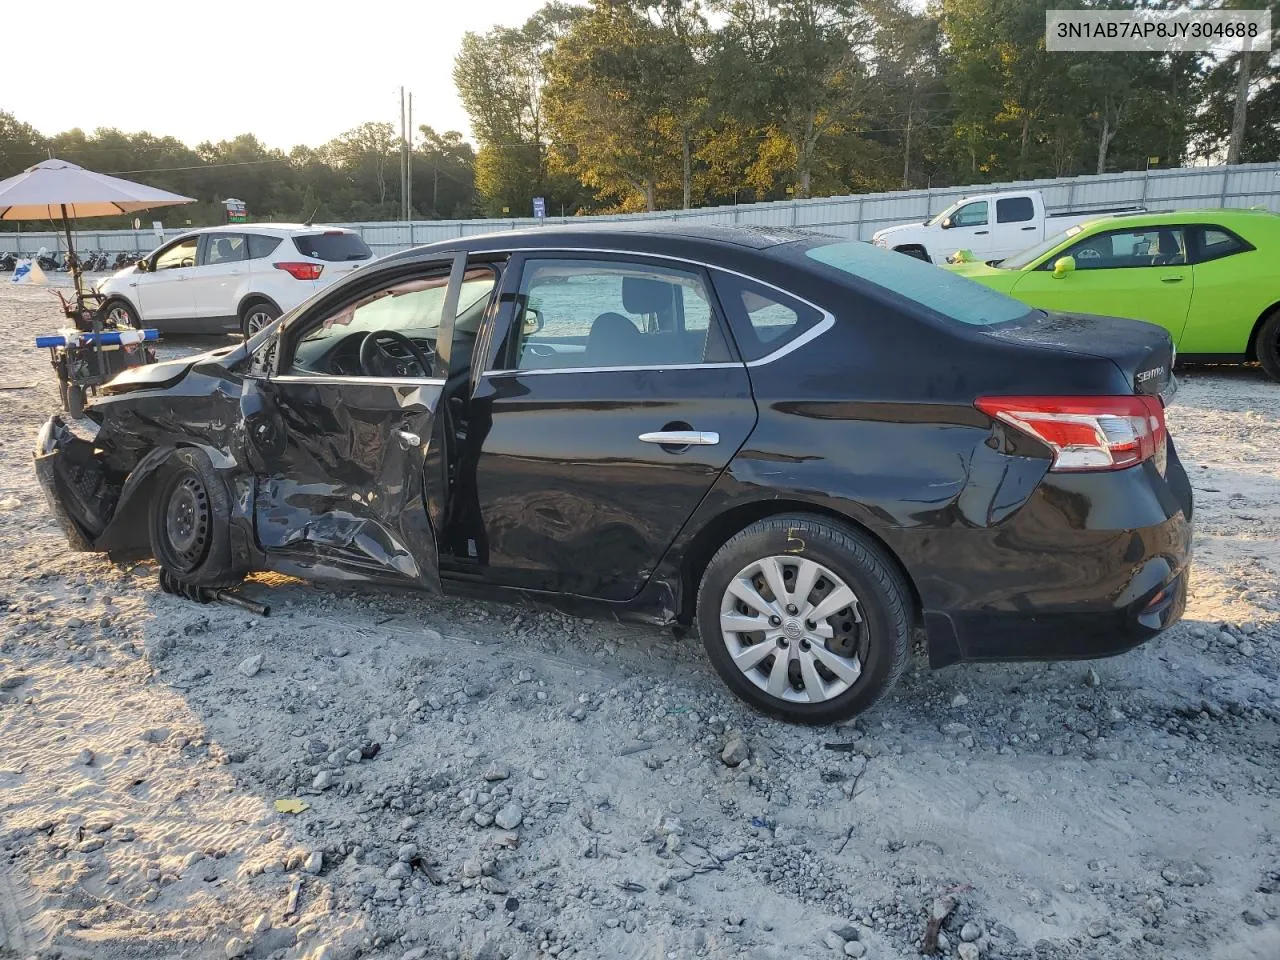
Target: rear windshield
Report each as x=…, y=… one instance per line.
x=333, y=246
x=940, y=290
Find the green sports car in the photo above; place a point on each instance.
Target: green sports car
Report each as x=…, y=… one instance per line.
x=1209, y=277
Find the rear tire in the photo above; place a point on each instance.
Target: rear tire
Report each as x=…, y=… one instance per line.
x=837, y=661
x=255, y=316
x=1267, y=345
x=190, y=522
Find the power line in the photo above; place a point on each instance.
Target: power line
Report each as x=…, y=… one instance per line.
x=202, y=166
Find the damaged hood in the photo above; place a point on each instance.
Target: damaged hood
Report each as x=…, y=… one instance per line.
x=165, y=373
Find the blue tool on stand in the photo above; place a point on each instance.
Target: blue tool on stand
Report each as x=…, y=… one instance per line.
x=84, y=360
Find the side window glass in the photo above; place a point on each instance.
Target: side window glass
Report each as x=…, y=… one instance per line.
x=179, y=255
x=1216, y=243
x=1142, y=247
x=260, y=246
x=223, y=248
x=763, y=319
x=971, y=215
x=401, y=320
x=589, y=313
x=1014, y=210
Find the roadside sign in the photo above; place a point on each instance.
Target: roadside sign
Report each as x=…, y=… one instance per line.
x=539, y=207
x=158, y=227
x=237, y=211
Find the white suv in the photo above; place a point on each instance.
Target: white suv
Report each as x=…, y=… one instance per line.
x=234, y=278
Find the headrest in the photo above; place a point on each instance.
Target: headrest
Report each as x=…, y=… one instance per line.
x=642, y=295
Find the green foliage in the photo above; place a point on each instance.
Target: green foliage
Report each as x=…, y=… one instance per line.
x=353, y=177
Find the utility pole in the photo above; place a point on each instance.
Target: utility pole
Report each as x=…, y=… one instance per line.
x=408, y=204
x=1239, y=117
x=404, y=214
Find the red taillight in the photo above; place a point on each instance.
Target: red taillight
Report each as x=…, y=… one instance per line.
x=301, y=271
x=1087, y=433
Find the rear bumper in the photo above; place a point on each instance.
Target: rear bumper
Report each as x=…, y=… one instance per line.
x=1091, y=566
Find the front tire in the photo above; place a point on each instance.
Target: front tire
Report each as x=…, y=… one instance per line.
x=121, y=313
x=1268, y=345
x=256, y=316
x=190, y=522
x=805, y=619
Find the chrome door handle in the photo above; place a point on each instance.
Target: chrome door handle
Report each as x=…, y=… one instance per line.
x=408, y=439
x=682, y=438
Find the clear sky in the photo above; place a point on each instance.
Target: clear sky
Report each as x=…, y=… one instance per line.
x=290, y=72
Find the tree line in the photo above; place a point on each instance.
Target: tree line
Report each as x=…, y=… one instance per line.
x=657, y=104
x=628, y=105
x=354, y=177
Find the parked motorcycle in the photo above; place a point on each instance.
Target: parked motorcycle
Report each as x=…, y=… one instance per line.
x=8, y=261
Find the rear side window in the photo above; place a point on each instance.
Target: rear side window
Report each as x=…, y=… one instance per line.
x=1216, y=243
x=223, y=248
x=1014, y=210
x=333, y=246
x=763, y=319
x=260, y=246
x=939, y=290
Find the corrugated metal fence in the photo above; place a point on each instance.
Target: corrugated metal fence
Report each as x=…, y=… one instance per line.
x=854, y=217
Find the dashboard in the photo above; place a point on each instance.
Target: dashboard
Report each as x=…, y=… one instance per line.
x=340, y=356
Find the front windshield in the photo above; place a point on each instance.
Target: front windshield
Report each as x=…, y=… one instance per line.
x=1031, y=255
x=941, y=291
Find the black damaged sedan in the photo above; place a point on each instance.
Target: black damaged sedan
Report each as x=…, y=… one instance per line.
x=807, y=446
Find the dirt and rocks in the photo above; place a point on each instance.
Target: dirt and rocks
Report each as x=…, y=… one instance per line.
x=486, y=781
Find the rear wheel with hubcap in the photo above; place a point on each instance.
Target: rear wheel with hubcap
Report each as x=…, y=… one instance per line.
x=804, y=618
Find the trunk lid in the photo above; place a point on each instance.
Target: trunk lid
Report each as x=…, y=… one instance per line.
x=1143, y=351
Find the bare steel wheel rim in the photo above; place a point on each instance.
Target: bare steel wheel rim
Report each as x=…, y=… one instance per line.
x=794, y=628
x=256, y=320
x=187, y=522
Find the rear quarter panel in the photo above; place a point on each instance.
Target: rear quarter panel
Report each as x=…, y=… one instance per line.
x=1231, y=294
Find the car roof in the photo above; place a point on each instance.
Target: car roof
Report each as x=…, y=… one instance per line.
x=634, y=237
x=1158, y=218
x=273, y=229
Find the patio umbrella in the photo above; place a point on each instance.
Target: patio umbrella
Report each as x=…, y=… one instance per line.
x=56, y=189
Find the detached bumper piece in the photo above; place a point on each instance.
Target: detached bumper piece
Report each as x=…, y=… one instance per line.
x=74, y=483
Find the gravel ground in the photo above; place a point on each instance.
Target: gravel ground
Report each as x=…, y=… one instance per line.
x=486, y=781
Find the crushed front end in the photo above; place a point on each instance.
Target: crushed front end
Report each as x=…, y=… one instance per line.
x=82, y=497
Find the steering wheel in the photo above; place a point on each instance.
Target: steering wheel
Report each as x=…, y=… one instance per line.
x=375, y=361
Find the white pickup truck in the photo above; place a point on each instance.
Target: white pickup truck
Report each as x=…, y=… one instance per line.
x=990, y=225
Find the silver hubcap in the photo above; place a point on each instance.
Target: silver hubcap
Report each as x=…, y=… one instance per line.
x=256, y=321
x=118, y=316
x=794, y=629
